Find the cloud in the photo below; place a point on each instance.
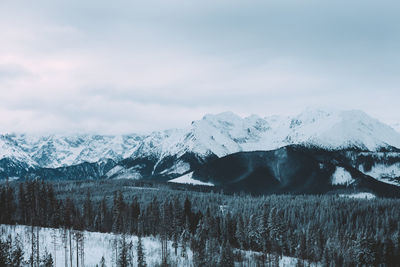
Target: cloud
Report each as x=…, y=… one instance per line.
x=11, y=72
x=141, y=66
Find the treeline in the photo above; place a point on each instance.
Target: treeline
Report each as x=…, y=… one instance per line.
x=326, y=229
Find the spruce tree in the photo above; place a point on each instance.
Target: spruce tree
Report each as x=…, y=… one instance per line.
x=102, y=262
x=226, y=256
x=123, y=253
x=17, y=254
x=47, y=260
x=141, y=261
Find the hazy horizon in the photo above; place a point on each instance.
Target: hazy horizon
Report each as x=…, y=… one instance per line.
x=263, y=116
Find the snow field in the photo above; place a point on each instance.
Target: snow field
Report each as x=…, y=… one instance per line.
x=96, y=245
x=187, y=179
x=362, y=195
x=341, y=177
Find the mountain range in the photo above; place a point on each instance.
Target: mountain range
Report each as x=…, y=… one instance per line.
x=351, y=140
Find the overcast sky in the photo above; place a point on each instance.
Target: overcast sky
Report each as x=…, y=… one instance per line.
x=127, y=66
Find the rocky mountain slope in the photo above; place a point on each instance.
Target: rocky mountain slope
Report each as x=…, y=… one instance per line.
x=293, y=169
x=366, y=144
x=179, y=151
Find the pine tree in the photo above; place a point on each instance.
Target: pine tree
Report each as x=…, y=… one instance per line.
x=301, y=251
x=141, y=261
x=123, y=253
x=365, y=250
x=5, y=250
x=118, y=210
x=240, y=235
x=103, y=262
x=134, y=215
x=175, y=243
x=88, y=211
x=3, y=253
x=47, y=260
x=226, y=256
x=7, y=204
x=22, y=204
x=199, y=246
x=17, y=254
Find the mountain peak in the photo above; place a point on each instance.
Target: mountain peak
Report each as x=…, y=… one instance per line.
x=227, y=116
x=219, y=134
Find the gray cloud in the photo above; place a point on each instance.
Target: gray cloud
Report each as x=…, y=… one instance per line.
x=141, y=66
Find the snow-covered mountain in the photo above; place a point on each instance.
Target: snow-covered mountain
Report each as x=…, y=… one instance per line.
x=176, y=151
x=54, y=151
x=320, y=128
x=227, y=133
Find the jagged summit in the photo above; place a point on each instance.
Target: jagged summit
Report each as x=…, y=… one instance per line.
x=331, y=129
x=342, y=129
x=53, y=151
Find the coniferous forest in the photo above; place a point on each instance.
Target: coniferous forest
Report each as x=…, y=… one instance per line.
x=328, y=230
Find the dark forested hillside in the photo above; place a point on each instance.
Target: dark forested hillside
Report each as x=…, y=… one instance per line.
x=327, y=229
x=292, y=169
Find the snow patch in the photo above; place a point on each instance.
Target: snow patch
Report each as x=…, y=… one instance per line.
x=132, y=173
x=341, y=177
x=384, y=173
x=187, y=179
x=114, y=171
x=362, y=195
x=141, y=188
x=179, y=168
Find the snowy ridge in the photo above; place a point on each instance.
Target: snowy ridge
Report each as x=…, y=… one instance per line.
x=384, y=173
x=10, y=149
x=221, y=134
x=121, y=173
x=57, y=150
x=227, y=133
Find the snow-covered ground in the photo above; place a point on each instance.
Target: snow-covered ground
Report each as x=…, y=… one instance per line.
x=187, y=179
x=362, y=195
x=96, y=246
